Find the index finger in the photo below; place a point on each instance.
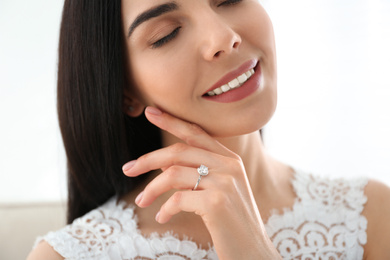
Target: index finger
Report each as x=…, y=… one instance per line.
x=190, y=133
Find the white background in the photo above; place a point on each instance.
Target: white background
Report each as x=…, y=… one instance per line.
x=334, y=86
x=333, y=116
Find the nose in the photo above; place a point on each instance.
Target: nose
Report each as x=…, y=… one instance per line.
x=217, y=38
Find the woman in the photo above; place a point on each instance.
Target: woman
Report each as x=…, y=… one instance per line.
x=204, y=74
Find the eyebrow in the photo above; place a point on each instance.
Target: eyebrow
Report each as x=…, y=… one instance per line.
x=151, y=13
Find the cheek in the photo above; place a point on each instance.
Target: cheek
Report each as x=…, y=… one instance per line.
x=153, y=79
x=164, y=79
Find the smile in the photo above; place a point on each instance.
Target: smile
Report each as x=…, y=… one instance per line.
x=235, y=83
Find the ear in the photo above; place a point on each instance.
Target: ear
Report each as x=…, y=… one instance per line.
x=132, y=106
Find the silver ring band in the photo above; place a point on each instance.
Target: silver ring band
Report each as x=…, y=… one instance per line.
x=197, y=183
x=203, y=171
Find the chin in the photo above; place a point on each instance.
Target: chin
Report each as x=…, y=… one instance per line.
x=247, y=125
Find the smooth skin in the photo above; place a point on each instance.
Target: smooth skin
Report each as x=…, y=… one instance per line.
x=213, y=39
x=234, y=201
x=222, y=198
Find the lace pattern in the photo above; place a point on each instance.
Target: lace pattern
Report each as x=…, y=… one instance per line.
x=110, y=232
x=324, y=223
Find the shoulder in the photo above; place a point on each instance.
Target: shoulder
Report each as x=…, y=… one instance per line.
x=377, y=212
x=331, y=193
x=44, y=251
x=91, y=236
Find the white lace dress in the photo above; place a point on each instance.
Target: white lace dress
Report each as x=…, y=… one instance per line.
x=324, y=223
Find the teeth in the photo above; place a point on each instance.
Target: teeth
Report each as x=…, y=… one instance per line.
x=218, y=91
x=225, y=88
x=242, y=78
x=235, y=83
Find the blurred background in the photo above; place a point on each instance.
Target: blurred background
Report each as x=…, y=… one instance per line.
x=333, y=115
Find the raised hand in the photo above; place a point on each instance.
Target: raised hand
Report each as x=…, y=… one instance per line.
x=223, y=198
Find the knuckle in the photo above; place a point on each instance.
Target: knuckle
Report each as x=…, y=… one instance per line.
x=177, y=197
x=194, y=133
x=235, y=165
x=237, y=157
x=226, y=181
x=218, y=199
x=192, y=140
x=178, y=147
x=195, y=129
x=173, y=172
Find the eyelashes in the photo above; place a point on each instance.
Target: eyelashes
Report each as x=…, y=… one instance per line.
x=166, y=39
x=230, y=2
x=176, y=31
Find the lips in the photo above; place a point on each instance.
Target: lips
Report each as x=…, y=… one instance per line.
x=237, y=84
x=232, y=79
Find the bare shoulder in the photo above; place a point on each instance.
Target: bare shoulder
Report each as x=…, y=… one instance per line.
x=377, y=212
x=44, y=251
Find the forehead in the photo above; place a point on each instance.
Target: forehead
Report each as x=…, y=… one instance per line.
x=132, y=8
x=149, y=12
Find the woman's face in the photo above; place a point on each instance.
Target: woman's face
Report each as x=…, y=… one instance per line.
x=210, y=62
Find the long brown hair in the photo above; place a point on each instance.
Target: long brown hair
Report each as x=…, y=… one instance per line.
x=98, y=137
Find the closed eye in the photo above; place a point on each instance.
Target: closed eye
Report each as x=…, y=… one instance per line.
x=230, y=2
x=166, y=39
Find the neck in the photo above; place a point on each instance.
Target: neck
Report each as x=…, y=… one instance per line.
x=260, y=168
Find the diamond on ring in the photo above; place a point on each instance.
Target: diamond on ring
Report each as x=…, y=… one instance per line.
x=203, y=170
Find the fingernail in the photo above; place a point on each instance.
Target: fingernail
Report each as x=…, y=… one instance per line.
x=157, y=216
x=139, y=198
x=153, y=111
x=128, y=165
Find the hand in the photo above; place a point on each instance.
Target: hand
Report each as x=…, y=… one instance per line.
x=223, y=199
